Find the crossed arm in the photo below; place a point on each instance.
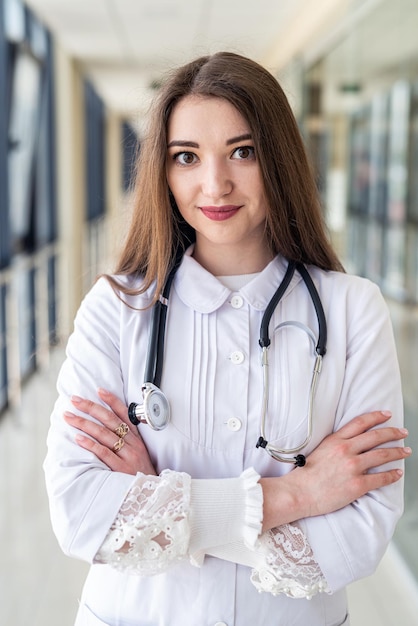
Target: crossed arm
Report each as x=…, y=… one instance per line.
x=335, y=475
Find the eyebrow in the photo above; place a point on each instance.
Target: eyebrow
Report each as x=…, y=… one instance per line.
x=183, y=144
x=244, y=137
x=192, y=144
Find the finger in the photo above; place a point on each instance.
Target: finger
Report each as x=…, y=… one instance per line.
x=378, y=437
x=381, y=456
x=99, y=432
x=117, y=405
x=111, y=417
x=96, y=410
x=104, y=454
x=363, y=423
x=131, y=458
x=370, y=482
x=104, y=415
x=119, y=408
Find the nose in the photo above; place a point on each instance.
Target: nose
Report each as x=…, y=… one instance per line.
x=216, y=181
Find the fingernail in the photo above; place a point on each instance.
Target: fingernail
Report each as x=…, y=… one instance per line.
x=102, y=391
x=399, y=472
x=68, y=414
x=76, y=399
x=404, y=431
x=387, y=413
x=408, y=450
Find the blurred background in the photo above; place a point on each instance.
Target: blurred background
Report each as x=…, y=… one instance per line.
x=76, y=80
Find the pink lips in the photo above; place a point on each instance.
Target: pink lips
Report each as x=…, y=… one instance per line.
x=220, y=213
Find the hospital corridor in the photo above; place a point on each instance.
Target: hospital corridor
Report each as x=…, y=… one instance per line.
x=76, y=81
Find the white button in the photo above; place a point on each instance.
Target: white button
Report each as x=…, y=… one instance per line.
x=236, y=302
x=234, y=424
x=237, y=357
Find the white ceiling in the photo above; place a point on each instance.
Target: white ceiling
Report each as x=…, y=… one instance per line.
x=126, y=45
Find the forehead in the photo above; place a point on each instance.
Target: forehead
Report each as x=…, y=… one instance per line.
x=195, y=115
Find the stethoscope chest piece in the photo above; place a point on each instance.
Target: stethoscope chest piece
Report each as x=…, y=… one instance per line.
x=155, y=410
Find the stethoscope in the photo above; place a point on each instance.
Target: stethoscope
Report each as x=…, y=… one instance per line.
x=155, y=408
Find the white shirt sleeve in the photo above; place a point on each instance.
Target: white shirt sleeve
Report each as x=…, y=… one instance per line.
x=168, y=518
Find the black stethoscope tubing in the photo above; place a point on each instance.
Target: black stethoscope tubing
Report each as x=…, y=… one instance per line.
x=155, y=354
x=320, y=349
x=264, y=340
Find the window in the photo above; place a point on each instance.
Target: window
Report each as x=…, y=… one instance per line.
x=27, y=190
x=95, y=153
x=23, y=137
x=4, y=202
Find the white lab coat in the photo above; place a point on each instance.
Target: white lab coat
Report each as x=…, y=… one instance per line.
x=213, y=378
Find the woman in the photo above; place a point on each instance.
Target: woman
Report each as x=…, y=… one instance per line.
x=184, y=525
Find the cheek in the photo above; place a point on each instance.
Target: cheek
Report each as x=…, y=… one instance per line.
x=176, y=185
x=261, y=192
x=255, y=189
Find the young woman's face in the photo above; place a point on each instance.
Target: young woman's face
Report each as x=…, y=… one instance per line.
x=213, y=173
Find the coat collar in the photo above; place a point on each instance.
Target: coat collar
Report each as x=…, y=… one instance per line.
x=204, y=293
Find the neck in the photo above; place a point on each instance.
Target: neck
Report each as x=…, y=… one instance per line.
x=224, y=261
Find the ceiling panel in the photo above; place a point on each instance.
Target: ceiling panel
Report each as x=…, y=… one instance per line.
x=84, y=28
x=125, y=45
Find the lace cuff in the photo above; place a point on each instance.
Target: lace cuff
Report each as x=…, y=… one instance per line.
x=151, y=530
x=164, y=519
x=167, y=518
x=288, y=565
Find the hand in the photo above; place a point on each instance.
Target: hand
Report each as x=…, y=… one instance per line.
x=132, y=457
x=337, y=472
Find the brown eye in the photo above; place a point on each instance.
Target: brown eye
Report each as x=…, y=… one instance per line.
x=244, y=153
x=185, y=158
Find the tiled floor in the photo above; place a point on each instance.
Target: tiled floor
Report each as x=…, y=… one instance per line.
x=39, y=586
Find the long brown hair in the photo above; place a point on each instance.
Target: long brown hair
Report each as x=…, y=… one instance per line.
x=294, y=225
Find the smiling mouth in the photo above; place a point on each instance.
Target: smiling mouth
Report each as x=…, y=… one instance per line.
x=220, y=213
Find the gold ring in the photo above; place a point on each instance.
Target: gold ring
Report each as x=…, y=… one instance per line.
x=119, y=444
x=122, y=430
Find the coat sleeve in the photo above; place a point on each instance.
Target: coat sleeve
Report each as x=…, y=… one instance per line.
x=349, y=543
x=86, y=497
